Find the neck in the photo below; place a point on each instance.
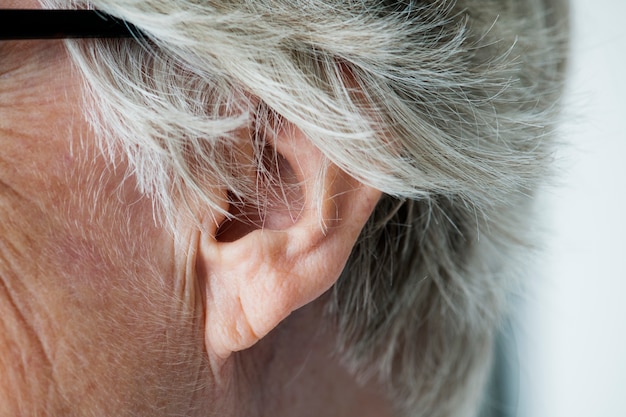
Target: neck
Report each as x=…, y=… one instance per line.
x=294, y=372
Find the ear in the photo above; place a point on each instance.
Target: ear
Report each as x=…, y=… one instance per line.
x=253, y=277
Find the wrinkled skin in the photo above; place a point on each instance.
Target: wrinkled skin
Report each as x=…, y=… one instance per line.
x=76, y=250
x=99, y=308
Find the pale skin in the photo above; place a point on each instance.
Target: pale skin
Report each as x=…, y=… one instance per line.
x=103, y=312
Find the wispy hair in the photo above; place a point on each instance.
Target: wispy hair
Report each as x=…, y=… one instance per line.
x=447, y=107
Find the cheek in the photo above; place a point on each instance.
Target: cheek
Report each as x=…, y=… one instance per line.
x=115, y=279
x=22, y=356
x=88, y=318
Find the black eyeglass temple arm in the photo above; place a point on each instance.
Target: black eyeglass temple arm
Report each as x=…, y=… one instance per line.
x=60, y=24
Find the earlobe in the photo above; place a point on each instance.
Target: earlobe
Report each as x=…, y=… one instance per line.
x=253, y=281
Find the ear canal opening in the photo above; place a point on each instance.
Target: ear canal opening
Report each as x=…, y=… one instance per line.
x=277, y=204
x=241, y=220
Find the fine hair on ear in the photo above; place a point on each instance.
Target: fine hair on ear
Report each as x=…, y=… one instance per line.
x=449, y=108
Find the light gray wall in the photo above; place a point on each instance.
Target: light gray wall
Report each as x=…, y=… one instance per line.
x=576, y=320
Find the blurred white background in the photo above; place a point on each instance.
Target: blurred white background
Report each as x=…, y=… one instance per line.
x=576, y=335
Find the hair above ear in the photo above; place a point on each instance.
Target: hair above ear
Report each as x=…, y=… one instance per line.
x=277, y=201
x=254, y=276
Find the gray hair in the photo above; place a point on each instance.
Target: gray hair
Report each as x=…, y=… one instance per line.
x=447, y=107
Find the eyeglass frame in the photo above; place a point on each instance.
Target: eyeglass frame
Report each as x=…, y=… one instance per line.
x=31, y=24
